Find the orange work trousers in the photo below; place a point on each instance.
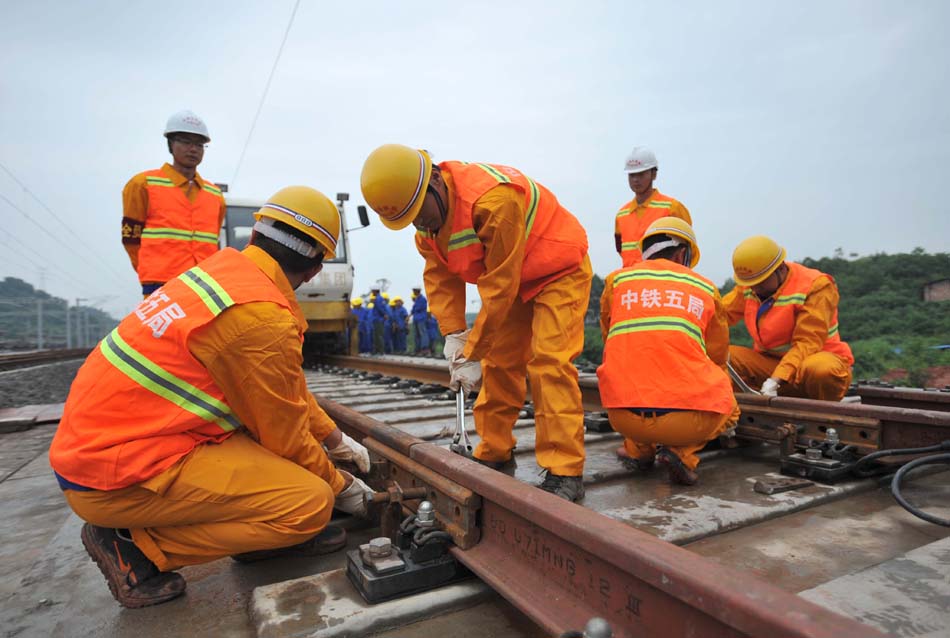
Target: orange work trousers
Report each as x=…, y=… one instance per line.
x=685, y=432
x=541, y=337
x=823, y=375
x=220, y=499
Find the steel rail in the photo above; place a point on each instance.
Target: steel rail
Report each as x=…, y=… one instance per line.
x=868, y=427
x=562, y=564
x=19, y=359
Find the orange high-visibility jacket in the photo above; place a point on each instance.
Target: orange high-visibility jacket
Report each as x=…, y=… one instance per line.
x=141, y=401
x=555, y=245
x=178, y=233
x=772, y=332
x=633, y=220
x=655, y=350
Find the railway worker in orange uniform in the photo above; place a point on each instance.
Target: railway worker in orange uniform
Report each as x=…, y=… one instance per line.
x=663, y=379
x=171, y=215
x=646, y=207
x=189, y=433
x=495, y=227
x=791, y=311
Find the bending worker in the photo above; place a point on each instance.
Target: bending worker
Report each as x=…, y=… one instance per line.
x=492, y=226
x=647, y=206
x=792, y=314
x=171, y=215
x=189, y=433
x=663, y=378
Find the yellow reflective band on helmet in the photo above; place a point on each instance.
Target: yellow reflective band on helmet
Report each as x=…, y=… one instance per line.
x=649, y=324
x=180, y=234
x=214, y=190
x=491, y=170
x=158, y=181
x=210, y=291
x=630, y=245
x=788, y=300
x=159, y=381
x=534, y=195
x=463, y=238
x=664, y=275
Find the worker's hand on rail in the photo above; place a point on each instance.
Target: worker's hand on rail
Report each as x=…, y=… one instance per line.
x=770, y=387
x=351, y=499
x=465, y=374
x=350, y=450
x=455, y=344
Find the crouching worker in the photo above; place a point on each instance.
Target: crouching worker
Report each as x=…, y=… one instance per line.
x=189, y=433
x=663, y=378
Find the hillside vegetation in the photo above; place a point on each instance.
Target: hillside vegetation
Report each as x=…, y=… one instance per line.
x=30, y=318
x=893, y=332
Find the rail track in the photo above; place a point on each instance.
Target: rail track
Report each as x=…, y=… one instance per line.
x=15, y=360
x=650, y=558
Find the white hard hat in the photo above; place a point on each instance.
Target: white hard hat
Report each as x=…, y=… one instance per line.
x=187, y=122
x=640, y=159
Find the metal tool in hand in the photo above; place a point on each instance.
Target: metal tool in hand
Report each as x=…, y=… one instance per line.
x=460, y=441
x=739, y=381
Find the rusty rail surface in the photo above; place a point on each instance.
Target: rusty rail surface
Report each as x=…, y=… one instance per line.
x=867, y=427
x=20, y=359
x=562, y=564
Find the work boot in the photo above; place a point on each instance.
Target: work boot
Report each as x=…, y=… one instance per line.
x=505, y=467
x=133, y=579
x=679, y=473
x=570, y=488
x=331, y=539
x=633, y=463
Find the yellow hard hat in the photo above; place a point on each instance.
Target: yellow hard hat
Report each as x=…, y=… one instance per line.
x=392, y=302
x=306, y=209
x=397, y=298
x=676, y=228
x=394, y=182
x=369, y=305
x=357, y=301
x=755, y=259
x=385, y=295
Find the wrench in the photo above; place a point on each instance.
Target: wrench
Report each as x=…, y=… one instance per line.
x=739, y=381
x=460, y=441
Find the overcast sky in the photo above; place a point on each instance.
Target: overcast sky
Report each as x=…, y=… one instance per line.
x=822, y=124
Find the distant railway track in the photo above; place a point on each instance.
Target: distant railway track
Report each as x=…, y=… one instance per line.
x=620, y=562
x=14, y=360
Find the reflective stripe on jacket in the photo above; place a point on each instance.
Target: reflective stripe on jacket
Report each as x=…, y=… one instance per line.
x=772, y=328
x=178, y=233
x=633, y=220
x=141, y=401
x=556, y=242
x=655, y=351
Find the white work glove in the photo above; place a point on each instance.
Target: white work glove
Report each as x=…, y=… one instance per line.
x=466, y=375
x=770, y=387
x=455, y=344
x=350, y=450
x=350, y=500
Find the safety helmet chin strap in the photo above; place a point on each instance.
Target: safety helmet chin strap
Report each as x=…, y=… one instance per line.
x=265, y=226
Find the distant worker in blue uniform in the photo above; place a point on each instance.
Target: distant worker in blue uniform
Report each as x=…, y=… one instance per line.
x=420, y=321
x=365, y=336
x=435, y=334
x=400, y=324
x=388, y=325
x=380, y=321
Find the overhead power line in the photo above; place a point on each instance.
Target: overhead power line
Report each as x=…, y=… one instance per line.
x=260, y=106
x=50, y=211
